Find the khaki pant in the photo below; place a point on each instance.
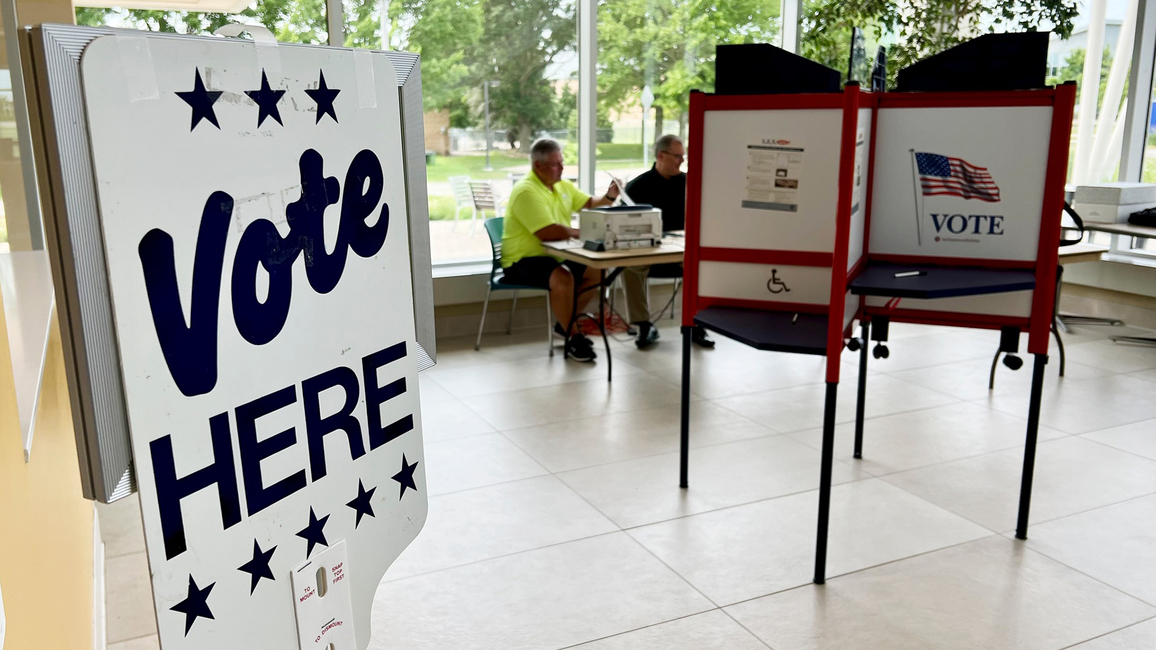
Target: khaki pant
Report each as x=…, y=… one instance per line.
x=637, y=304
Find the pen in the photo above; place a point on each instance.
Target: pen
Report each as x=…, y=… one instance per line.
x=909, y=274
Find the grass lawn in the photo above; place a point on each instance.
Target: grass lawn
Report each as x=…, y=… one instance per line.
x=620, y=151
x=611, y=156
x=441, y=208
x=445, y=166
x=502, y=159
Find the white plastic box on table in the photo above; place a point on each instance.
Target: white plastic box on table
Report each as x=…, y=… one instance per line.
x=1113, y=202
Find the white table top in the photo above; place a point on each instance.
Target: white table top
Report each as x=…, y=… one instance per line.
x=1121, y=229
x=670, y=252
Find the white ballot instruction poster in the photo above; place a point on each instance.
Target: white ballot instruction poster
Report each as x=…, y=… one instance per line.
x=252, y=200
x=773, y=171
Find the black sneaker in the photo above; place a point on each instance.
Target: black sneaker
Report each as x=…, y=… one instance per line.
x=700, y=338
x=581, y=349
x=647, y=334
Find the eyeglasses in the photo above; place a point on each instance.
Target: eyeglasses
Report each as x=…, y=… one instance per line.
x=680, y=157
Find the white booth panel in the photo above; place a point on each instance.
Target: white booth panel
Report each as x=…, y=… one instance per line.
x=744, y=281
x=960, y=182
x=769, y=179
x=859, y=189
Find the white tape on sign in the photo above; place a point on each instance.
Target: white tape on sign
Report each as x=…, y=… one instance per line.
x=139, y=76
x=366, y=85
x=268, y=58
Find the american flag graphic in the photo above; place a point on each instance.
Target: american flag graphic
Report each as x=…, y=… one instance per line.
x=947, y=176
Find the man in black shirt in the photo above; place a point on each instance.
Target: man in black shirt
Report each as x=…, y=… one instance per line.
x=664, y=187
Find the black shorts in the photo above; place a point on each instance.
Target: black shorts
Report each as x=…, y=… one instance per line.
x=535, y=271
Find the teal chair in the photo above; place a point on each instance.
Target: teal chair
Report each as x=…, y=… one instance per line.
x=497, y=282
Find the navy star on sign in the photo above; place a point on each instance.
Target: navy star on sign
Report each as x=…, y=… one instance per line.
x=258, y=567
x=405, y=477
x=266, y=99
x=314, y=533
x=195, y=605
x=324, y=97
x=202, y=102
x=361, y=504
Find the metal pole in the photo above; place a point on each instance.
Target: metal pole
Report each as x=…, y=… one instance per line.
x=1090, y=81
x=791, y=11
x=1139, y=87
x=335, y=22
x=1030, y=445
x=486, y=101
x=587, y=92
x=645, y=149
x=684, y=444
x=825, y=483
x=861, y=404
x=385, y=24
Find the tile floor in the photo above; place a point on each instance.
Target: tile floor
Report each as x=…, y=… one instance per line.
x=556, y=521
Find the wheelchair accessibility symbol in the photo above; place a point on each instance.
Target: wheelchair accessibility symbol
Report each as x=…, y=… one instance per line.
x=775, y=285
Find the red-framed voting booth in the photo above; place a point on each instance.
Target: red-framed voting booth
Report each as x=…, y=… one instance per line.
x=806, y=212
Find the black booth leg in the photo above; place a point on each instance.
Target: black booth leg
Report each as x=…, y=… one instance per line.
x=1059, y=344
x=602, y=322
x=1030, y=445
x=861, y=402
x=684, y=432
x=825, y=484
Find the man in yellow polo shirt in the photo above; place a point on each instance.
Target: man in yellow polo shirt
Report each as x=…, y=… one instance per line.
x=540, y=209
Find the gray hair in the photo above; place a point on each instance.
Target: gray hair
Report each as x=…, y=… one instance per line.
x=542, y=148
x=663, y=143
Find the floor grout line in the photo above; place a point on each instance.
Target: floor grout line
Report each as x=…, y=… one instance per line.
x=1107, y=633
x=1024, y=543
x=644, y=627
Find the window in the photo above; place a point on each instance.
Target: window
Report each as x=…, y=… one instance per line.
x=18, y=231
x=1095, y=156
x=491, y=86
x=666, y=47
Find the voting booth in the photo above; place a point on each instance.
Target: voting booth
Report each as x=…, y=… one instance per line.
x=238, y=235
x=807, y=211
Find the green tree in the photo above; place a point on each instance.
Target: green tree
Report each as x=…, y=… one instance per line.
x=464, y=43
x=291, y=21
x=520, y=40
x=917, y=30
x=442, y=32
x=831, y=46
x=1073, y=70
x=669, y=45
